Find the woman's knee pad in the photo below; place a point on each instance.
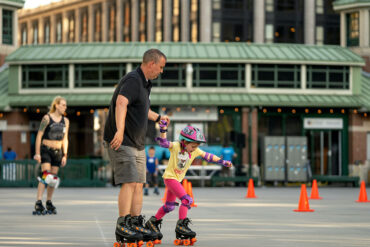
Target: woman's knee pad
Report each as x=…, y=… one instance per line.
x=169, y=206
x=186, y=201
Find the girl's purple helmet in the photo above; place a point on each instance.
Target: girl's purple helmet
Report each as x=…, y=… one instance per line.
x=192, y=134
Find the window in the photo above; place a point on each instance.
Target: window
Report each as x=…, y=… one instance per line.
x=47, y=32
x=176, y=21
x=97, y=25
x=35, y=26
x=24, y=34
x=353, y=29
x=159, y=21
x=112, y=23
x=288, y=21
x=194, y=21
x=71, y=28
x=142, y=20
x=7, y=27
x=174, y=75
x=59, y=30
x=127, y=21
x=218, y=75
x=328, y=77
x=45, y=76
x=276, y=76
x=237, y=20
x=84, y=25
x=98, y=75
x=327, y=23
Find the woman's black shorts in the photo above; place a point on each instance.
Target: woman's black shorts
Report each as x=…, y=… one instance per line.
x=51, y=155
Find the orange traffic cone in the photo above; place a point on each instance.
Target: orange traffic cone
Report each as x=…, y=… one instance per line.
x=185, y=185
x=164, y=196
x=190, y=193
x=315, y=191
x=363, y=195
x=303, y=205
x=250, y=193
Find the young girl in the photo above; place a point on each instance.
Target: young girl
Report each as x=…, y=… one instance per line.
x=182, y=155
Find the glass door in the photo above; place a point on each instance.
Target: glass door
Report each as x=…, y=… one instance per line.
x=325, y=152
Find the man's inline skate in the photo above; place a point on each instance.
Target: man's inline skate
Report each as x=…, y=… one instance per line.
x=39, y=208
x=184, y=235
x=149, y=236
x=154, y=225
x=126, y=235
x=50, y=208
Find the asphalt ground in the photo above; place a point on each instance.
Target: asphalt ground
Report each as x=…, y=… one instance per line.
x=223, y=217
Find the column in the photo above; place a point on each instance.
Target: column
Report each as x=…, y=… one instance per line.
x=90, y=19
x=254, y=136
x=343, y=29
x=259, y=21
x=245, y=124
x=119, y=20
x=15, y=25
x=364, y=28
x=309, y=22
x=167, y=21
x=29, y=32
x=1, y=26
x=185, y=12
x=135, y=21
x=52, y=28
x=105, y=17
x=65, y=23
x=150, y=30
x=77, y=25
x=41, y=30
x=205, y=19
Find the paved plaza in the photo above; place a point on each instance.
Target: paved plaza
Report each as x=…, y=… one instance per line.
x=223, y=217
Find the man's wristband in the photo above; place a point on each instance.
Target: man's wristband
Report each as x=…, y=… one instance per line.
x=158, y=118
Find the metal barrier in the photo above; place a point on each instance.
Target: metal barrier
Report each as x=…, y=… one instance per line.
x=77, y=173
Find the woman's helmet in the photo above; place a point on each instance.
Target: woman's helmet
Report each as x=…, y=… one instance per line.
x=192, y=134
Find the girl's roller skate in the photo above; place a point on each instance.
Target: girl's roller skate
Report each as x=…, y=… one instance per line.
x=39, y=208
x=137, y=224
x=125, y=234
x=154, y=225
x=50, y=208
x=184, y=235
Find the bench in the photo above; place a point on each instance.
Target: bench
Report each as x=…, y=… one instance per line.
x=337, y=179
x=216, y=179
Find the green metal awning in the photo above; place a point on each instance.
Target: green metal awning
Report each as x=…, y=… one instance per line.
x=202, y=99
x=365, y=96
x=235, y=52
x=339, y=4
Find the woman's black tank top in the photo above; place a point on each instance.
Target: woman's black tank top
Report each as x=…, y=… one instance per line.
x=54, y=130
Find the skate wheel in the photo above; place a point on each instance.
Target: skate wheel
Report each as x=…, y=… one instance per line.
x=187, y=242
x=177, y=242
x=140, y=243
x=116, y=244
x=157, y=241
x=193, y=240
x=131, y=244
x=149, y=244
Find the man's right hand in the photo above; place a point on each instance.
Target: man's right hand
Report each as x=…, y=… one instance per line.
x=116, y=141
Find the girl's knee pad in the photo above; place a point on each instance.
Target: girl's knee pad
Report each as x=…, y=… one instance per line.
x=186, y=201
x=169, y=206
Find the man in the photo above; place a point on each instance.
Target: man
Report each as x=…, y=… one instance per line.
x=10, y=154
x=125, y=131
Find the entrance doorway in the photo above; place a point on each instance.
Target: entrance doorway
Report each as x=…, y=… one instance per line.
x=325, y=152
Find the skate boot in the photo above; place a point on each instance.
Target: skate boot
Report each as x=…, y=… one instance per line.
x=184, y=235
x=50, y=208
x=39, y=208
x=137, y=224
x=155, y=225
x=125, y=234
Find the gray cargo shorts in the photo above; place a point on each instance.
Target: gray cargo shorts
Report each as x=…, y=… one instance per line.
x=129, y=164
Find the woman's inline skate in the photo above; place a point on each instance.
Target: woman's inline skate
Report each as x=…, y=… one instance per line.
x=184, y=235
x=39, y=208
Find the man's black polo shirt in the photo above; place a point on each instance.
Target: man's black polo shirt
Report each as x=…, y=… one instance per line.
x=137, y=90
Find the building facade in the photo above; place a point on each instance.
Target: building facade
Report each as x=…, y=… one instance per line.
x=234, y=69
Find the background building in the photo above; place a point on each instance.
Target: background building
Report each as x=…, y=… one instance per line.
x=244, y=70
